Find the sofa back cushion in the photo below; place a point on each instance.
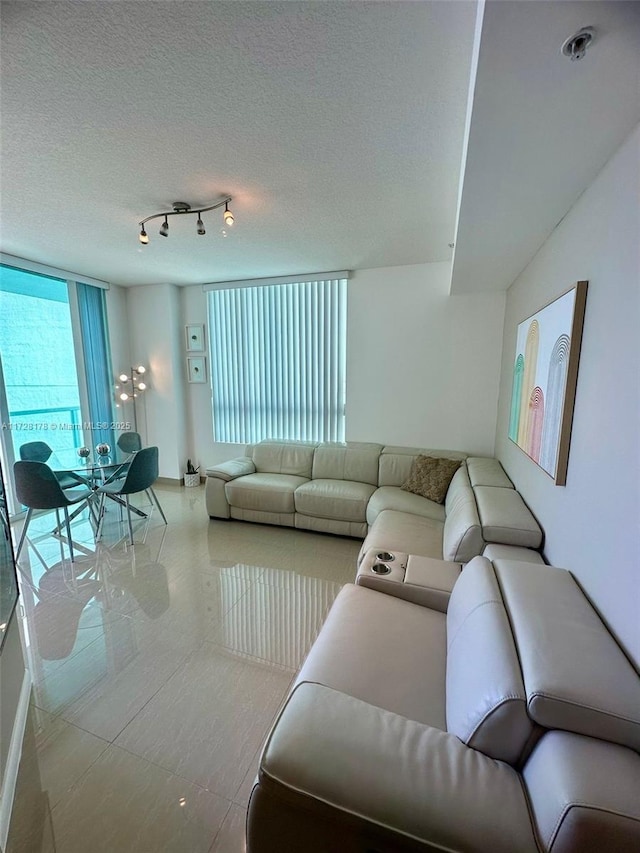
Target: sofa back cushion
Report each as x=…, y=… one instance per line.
x=575, y=675
x=462, y=535
x=284, y=457
x=355, y=461
x=395, y=462
x=486, y=701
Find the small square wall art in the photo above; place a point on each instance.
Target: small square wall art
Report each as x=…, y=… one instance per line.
x=197, y=368
x=195, y=338
x=545, y=375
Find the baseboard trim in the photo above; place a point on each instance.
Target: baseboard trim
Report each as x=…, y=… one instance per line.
x=176, y=481
x=13, y=760
x=169, y=481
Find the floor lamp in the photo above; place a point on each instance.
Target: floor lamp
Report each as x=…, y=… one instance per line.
x=131, y=386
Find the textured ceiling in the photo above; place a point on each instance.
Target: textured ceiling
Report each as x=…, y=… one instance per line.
x=336, y=127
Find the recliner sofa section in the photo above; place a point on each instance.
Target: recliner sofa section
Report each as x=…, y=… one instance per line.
x=354, y=489
x=509, y=724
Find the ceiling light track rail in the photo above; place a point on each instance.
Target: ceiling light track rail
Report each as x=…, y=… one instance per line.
x=180, y=208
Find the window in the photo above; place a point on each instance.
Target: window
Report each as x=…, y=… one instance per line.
x=278, y=360
x=55, y=376
x=38, y=359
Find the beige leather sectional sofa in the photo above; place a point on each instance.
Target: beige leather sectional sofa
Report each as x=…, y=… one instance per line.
x=451, y=701
x=508, y=724
x=354, y=489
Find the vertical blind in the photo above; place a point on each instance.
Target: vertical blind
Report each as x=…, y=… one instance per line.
x=278, y=361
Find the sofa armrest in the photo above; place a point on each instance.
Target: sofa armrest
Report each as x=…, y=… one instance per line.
x=233, y=468
x=332, y=758
x=217, y=478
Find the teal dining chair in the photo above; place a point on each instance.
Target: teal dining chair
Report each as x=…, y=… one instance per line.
x=37, y=487
x=129, y=442
x=141, y=475
x=39, y=451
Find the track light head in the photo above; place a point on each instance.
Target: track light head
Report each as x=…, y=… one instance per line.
x=143, y=237
x=227, y=216
x=164, y=228
x=200, y=226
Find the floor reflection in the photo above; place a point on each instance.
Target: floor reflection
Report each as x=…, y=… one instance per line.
x=157, y=670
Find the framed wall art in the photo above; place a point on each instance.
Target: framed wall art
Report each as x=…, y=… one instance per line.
x=195, y=338
x=545, y=375
x=197, y=368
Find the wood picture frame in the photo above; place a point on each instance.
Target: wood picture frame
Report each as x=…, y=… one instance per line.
x=545, y=377
x=194, y=335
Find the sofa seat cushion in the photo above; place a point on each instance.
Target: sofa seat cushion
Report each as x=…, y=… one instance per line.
x=393, y=497
x=410, y=534
x=384, y=651
x=264, y=492
x=344, y=499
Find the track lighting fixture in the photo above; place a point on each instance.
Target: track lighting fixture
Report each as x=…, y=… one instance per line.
x=181, y=207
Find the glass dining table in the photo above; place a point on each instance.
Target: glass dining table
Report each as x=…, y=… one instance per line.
x=94, y=471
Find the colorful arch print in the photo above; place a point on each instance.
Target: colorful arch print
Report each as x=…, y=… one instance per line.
x=544, y=382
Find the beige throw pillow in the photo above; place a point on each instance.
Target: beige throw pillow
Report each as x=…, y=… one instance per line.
x=430, y=477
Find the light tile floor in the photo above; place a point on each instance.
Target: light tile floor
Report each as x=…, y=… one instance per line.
x=157, y=671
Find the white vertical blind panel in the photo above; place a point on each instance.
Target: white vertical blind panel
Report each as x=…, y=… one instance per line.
x=278, y=357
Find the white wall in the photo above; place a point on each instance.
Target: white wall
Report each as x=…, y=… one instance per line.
x=203, y=449
x=422, y=366
x=592, y=524
x=155, y=337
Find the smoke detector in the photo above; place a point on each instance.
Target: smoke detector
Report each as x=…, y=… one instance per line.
x=576, y=46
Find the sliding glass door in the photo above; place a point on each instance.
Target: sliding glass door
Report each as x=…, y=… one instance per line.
x=55, y=369
x=39, y=363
